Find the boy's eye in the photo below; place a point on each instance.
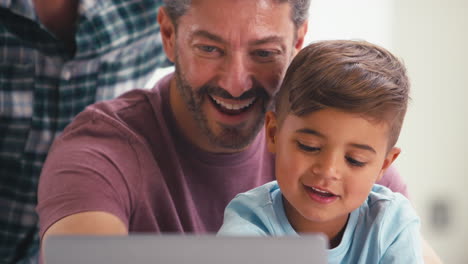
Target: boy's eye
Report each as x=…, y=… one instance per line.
x=355, y=162
x=306, y=147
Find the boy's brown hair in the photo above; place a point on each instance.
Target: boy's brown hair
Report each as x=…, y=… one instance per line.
x=354, y=76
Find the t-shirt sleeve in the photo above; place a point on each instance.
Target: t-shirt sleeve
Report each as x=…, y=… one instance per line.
x=85, y=171
x=393, y=180
x=242, y=217
x=401, y=240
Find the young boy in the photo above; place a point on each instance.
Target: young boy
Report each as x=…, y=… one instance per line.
x=338, y=116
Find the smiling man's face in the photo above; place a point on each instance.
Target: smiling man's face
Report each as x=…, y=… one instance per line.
x=230, y=57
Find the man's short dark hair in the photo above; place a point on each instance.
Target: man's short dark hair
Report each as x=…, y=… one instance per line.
x=299, y=9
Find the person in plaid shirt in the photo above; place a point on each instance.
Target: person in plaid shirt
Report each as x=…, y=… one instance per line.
x=56, y=58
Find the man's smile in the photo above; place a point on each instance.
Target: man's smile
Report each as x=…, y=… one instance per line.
x=232, y=106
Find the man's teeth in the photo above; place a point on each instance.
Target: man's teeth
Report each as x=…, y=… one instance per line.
x=239, y=106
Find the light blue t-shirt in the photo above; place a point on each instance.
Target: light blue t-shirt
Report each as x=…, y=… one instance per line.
x=384, y=229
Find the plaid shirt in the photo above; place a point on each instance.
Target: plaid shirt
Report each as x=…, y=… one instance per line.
x=42, y=87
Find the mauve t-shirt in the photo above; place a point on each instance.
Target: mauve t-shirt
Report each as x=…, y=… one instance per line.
x=126, y=157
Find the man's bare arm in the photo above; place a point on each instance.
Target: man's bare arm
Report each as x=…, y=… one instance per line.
x=429, y=255
x=97, y=223
x=87, y=223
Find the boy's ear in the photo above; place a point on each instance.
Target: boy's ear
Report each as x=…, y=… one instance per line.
x=389, y=159
x=271, y=128
x=168, y=36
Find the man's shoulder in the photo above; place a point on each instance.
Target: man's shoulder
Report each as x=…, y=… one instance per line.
x=137, y=105
x=129, y=115
x=131, y=103
x=393, y=180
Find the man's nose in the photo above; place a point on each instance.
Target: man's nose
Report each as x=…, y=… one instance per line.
x=236, y=75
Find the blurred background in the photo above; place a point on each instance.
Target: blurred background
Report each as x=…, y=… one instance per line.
x=431, y=37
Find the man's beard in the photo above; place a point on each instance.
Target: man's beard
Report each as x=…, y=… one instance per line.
x=230, y=137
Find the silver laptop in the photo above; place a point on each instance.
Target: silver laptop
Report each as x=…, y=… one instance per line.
x=181, y=249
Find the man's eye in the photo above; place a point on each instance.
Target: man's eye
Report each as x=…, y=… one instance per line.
x=355, y=162
x=207, y=48
x=306, y=147
x=208, y=51
x=263, y=53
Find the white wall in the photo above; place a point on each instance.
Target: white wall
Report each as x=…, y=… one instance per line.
x=431, y=36
x=356, y=19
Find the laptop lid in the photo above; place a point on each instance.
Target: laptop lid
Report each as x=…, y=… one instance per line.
x=181, y=249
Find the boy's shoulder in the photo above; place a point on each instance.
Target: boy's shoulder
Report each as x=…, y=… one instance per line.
x=385, y=222
x=261, y=195
x=254, y=212
x=383, y=195
x=383, y=205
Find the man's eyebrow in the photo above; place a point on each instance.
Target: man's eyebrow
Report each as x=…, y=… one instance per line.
x=270, y=39
x=208, y=35
x=216, y=38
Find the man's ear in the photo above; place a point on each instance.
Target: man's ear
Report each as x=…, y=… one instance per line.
x=389, y=159
x=301, y=32
x=271, y=128
x=168, y=36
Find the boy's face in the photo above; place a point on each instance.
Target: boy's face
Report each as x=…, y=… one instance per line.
x=326, y=164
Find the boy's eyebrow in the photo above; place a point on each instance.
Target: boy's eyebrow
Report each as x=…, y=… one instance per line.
x=310, y=131
x=364, y=147
x=316, y=133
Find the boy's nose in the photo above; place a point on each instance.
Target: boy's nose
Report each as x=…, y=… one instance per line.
x=326, y=167
x=236, y=77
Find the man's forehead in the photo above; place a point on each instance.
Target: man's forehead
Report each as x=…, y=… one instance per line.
x=253, y=21
x=256, y=40
x=242, y=8
x=259, y=2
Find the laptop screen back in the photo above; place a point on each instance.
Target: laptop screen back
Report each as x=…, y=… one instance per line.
x=180, y=249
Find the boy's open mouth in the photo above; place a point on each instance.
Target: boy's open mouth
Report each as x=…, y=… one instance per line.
x=320, y=192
